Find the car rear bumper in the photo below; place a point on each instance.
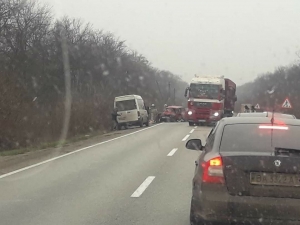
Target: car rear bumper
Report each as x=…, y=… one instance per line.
x=213, y=205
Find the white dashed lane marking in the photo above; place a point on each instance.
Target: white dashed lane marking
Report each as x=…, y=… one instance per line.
x=192, y=131
x=172, y=152
x=186, y=137
x=139, y=191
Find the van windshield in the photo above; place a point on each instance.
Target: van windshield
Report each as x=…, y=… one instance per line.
x=126, y=105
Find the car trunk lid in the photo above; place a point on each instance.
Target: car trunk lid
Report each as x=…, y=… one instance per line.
x=262, y=167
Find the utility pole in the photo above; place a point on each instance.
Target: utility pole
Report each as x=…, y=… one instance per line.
x=174, y=96
x=159, y=91
x=169, y=99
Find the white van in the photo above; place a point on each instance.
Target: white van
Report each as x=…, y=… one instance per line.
x=132, y=110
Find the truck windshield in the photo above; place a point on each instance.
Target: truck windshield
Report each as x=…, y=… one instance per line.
x=209, y=91
x=126, y=105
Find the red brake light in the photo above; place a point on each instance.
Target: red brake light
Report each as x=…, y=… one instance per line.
x=273, y=127
x=213, y=171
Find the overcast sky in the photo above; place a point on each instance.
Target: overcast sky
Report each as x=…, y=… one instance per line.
x=239, y=39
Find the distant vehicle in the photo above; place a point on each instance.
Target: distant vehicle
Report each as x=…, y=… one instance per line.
x=247, y=174
x=132, y=110
x=266, y=114
x=210, y=99
x=173, y=113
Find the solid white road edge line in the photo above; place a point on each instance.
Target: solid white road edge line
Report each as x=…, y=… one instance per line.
x=172, y=152
x=139, y=191
x=186, y=137
x=70, y=153
x=192, y=131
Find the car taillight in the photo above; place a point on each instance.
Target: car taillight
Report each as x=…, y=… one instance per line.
x=213, y=171
x=139, y=114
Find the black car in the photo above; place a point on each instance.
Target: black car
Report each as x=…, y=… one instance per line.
x=248, y=173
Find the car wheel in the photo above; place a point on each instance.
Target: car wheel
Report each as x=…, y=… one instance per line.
x=191, y=124
x=147, y=123
x=119, y=127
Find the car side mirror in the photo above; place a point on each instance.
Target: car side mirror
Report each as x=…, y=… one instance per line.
x=194, y=144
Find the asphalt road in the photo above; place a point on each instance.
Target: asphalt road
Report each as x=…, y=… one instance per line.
x=139, y=178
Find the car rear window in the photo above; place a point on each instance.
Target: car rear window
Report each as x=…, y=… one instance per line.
x=126, y=105
x=249, y=137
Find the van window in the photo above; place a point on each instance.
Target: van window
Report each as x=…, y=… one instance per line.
x=141, y=104
x=126, y=105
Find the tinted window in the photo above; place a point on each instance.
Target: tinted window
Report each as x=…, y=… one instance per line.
x=126, y=105
x=249, y=137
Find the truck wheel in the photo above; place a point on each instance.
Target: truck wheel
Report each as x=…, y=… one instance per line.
x=191, y=124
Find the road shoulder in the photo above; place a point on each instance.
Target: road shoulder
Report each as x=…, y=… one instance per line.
x=15, y=162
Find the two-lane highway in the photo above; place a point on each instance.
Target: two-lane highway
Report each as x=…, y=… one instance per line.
x=140, y=178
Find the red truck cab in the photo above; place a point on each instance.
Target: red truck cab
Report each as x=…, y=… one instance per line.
x=210, y=99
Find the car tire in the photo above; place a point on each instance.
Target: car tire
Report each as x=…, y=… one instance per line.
x=147, y=123
x=119, y=127
x=191, y=124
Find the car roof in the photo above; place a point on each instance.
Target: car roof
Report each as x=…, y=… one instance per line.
x=266, y=114
x=281, y=115
x=260, y=114
x=258, y=120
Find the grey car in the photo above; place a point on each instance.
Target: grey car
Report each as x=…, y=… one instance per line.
x=267, y=114
x=248, y=173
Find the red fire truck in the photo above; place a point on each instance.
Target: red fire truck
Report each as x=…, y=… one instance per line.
x=210, y=99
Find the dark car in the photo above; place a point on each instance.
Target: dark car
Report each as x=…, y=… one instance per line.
x=248, y=173
x=266, y=114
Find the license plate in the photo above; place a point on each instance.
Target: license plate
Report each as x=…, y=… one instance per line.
x=275, y=179
x=201, y=120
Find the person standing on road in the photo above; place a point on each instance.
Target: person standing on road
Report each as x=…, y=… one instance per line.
x=153, y=112
x=114, y=116
x=247, y=109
